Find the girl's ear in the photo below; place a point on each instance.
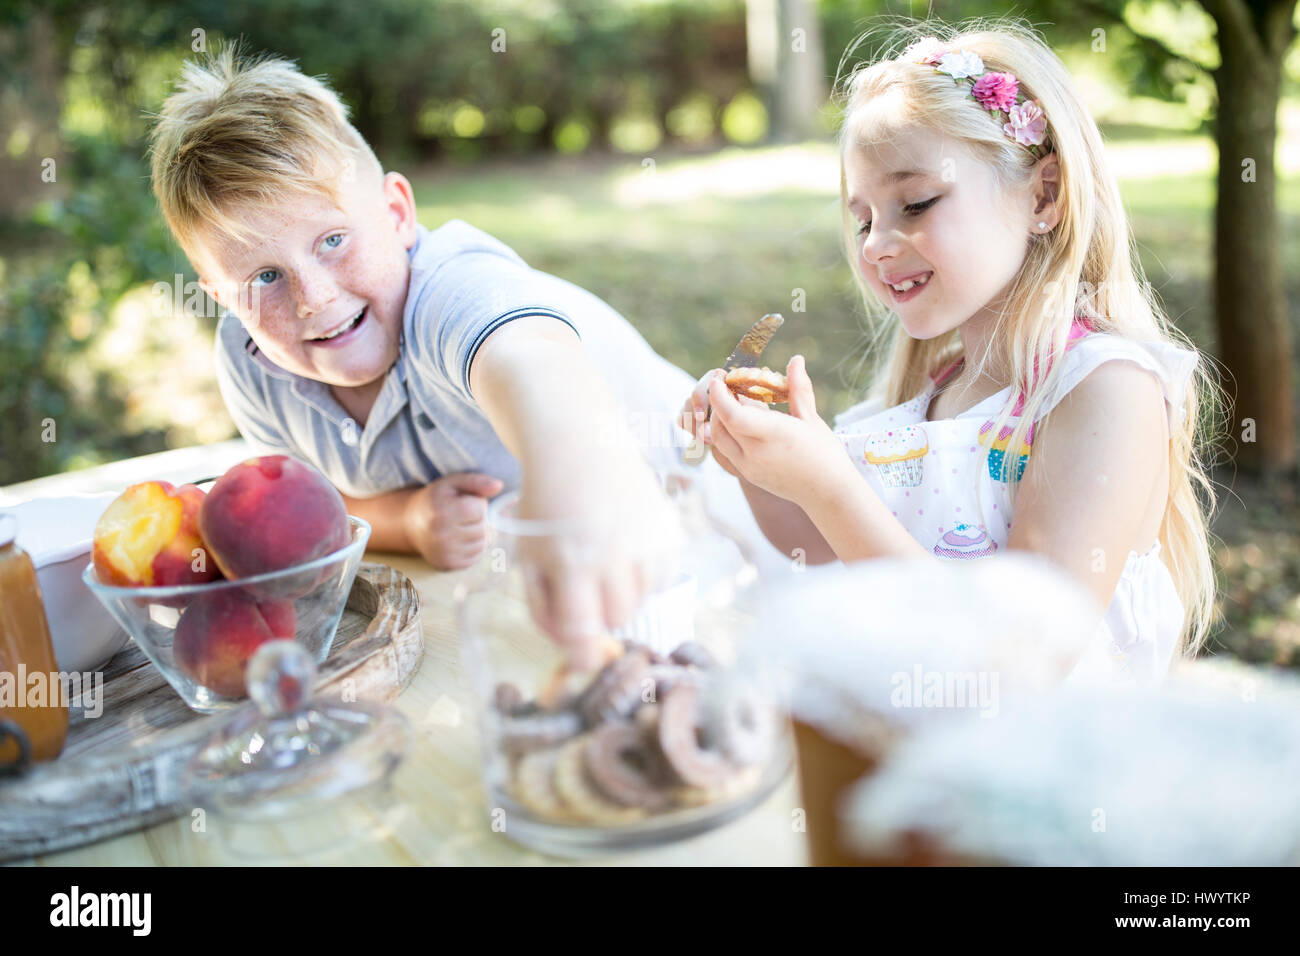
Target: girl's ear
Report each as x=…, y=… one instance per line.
x=1046, y=194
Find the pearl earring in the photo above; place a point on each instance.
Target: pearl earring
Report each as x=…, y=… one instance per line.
x=1042, y=225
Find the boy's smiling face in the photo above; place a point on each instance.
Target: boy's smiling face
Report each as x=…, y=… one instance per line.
x=320, y=269
x=954, y=226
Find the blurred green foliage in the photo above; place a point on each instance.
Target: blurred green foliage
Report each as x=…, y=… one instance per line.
x=79, y=230
x=465, y=79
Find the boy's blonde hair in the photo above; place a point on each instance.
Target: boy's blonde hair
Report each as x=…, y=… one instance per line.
x=1087, y=266
x=240, y=132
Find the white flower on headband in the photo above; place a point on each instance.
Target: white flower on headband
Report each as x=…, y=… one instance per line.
x=961, y=65
x=926, y=50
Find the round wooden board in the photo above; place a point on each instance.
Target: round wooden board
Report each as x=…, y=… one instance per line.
x=120, y=771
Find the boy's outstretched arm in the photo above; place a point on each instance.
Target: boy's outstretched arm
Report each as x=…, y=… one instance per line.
x=553, y=410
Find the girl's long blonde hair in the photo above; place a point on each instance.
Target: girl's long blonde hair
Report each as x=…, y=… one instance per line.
x=1087, y=266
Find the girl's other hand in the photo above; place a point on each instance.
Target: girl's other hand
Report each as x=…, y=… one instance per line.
x=695, y=411
x=695, y=419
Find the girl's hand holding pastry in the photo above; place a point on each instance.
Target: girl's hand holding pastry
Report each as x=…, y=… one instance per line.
x=795, y=456
x=758, y=387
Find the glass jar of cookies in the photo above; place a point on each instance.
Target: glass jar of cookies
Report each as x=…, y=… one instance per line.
x=671, y=733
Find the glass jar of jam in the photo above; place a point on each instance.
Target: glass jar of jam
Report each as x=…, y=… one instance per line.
x=33, y=706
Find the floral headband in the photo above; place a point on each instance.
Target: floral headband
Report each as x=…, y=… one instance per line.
x=999, y=93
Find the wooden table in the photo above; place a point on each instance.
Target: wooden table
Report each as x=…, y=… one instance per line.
x=436, y=814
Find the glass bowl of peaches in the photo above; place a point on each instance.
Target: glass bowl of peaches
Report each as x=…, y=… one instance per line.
x=201, y=580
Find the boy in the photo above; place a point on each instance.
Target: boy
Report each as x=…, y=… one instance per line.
x=422, y=372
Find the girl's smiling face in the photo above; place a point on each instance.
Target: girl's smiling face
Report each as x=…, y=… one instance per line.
x=926, y=209
x=322, y=269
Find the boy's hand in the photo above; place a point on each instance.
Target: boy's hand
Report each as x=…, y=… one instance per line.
x=446, y=520
x=618, y=534
x=619, y=541
x=795, y=456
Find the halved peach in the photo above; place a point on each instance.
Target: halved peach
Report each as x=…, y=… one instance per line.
x=149, y=536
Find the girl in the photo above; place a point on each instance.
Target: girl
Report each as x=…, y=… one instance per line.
x=986, y=229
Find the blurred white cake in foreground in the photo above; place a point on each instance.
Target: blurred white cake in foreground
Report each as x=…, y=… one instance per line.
x=1195, y=775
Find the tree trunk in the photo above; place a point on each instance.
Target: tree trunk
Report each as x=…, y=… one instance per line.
x=32, y=52
x=1250, y=301
x=787, y=65
x=801, y=82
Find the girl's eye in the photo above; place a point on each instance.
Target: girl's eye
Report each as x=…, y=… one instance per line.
x=261, y=277
x=334, y=245
x=913, y=209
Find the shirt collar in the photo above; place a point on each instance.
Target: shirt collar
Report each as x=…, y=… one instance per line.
x=318, y=395
x=256, y=354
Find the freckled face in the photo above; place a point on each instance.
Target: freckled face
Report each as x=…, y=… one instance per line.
x=950, y=224
x=320, y=270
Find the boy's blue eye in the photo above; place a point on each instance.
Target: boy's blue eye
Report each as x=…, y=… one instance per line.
x=338, y=236
x=260, y=278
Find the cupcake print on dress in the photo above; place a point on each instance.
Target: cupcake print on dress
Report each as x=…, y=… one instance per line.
x=965, y=541
x=898, y=455
x=999, y=467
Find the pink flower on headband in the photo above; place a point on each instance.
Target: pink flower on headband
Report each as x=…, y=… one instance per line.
x=996, y=91
x=927, y=51
x=1028, y=124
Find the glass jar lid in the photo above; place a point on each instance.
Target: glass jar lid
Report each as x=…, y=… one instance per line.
x=286, y=754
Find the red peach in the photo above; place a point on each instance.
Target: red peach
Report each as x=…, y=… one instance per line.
x=221, y=630
x=271, y=513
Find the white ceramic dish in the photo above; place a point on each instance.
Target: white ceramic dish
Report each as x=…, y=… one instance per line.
x=57, y=533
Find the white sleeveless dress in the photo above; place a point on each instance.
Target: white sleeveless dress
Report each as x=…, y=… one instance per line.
x=933, y=476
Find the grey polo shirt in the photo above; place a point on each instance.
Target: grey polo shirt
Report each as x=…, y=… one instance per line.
x=425, y=423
